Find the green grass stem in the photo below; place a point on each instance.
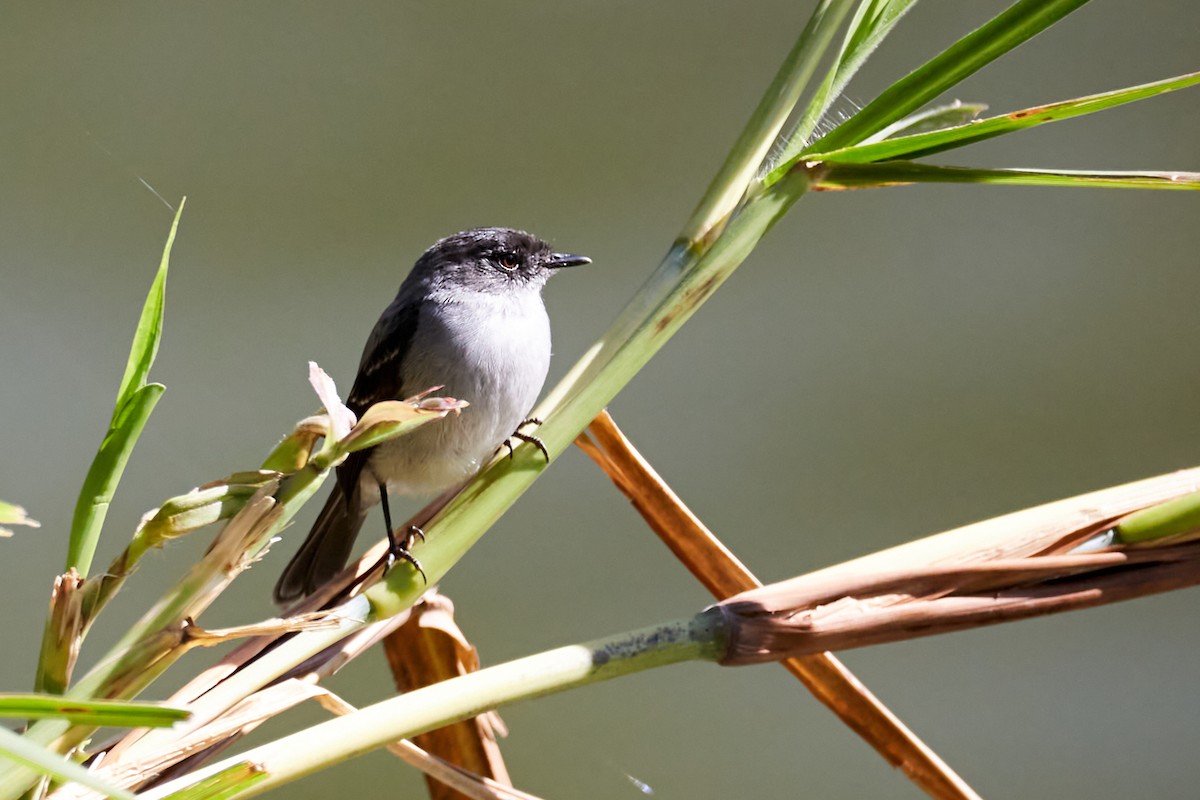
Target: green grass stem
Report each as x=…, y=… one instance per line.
x=334, y=741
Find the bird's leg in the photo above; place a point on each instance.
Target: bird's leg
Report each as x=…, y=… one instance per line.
x=399, y=549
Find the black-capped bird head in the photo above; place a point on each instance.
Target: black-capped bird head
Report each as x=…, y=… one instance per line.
x=491, y=260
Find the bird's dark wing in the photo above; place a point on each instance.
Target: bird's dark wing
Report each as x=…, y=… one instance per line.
x=380, y=377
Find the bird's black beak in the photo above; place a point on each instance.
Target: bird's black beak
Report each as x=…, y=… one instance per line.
x=560, y=260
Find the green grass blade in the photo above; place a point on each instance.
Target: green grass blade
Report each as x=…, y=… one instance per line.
x=698, y=638
x=91, y=712
x=22, y=751
x=833, y=176
x=872, y=22
x=1174, y=518
x=14, y=515
x=746, y=157
x=133, y=406
x=1018, y=24
x=230, y=782
x=105, y=473
x=938, y=118
x=922, y=144
x=149, y=329
x=56, y=659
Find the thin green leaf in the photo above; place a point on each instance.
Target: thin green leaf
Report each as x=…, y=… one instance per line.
x=229, y=782
x=922, y=144
x=14, y=515
x=390, y=419
x=1174, y=518
x=294, y=451
x=1017, y=25
x=23, y=751
x=134, y=404
x=932, y=119
x=285, y=760
x=196, y=509
x=833, y=176
x=90, y=712
x=149, y=329
x=104, y=475
x=872, y=22
x=745, y=159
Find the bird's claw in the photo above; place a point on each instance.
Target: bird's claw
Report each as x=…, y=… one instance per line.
x=525, y=437
x=536, y=441
x=402, y=550
x=533, y=440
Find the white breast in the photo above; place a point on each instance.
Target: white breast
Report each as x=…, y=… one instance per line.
x=489, y=350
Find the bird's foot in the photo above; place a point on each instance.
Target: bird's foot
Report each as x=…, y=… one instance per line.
x=525, y=437
x=402, y=550
x=530, y=438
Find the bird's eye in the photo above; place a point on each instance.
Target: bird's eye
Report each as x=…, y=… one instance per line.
x=508, y=261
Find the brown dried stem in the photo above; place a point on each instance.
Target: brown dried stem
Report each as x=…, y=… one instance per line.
x=840, y=609
x=724, y=575
x=463, y=782
x=429, y=648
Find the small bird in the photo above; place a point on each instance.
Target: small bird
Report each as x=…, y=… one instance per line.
x=468, y=318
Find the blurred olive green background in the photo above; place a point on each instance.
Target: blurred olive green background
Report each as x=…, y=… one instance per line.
x=886, y=365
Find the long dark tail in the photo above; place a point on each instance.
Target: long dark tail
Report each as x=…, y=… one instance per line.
x=326, y=549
